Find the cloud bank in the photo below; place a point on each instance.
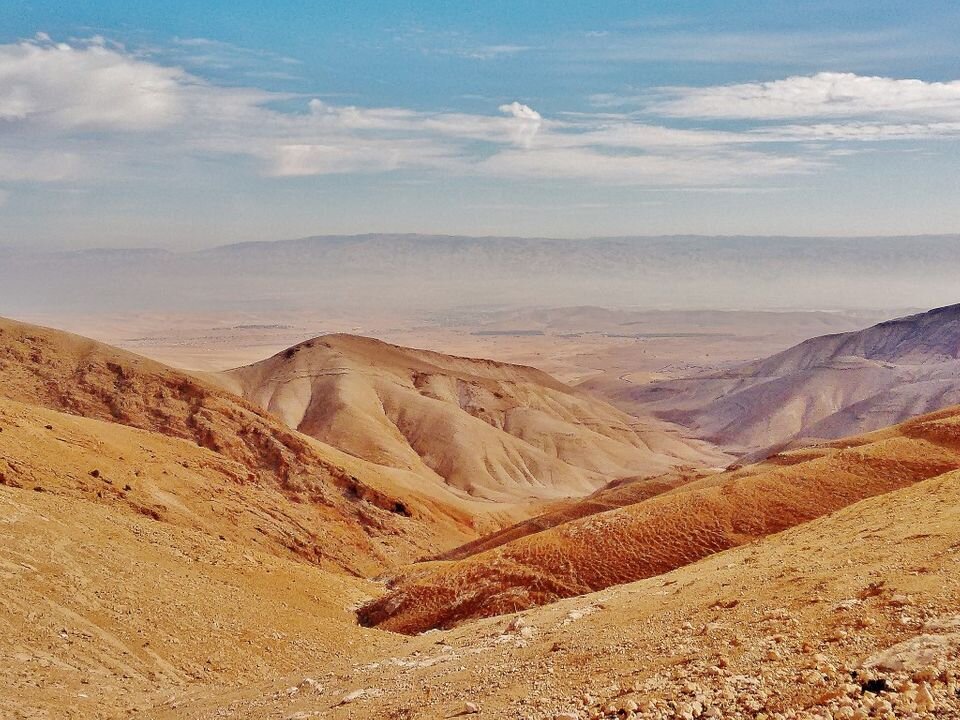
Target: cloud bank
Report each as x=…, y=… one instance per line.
x=93, y=109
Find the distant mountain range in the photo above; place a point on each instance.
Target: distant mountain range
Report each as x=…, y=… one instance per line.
x=442, y=272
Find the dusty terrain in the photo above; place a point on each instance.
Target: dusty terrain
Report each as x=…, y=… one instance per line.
x=317, y=488
x=854, y=613
x=108, y=612
x=615, y=347
x=625, y=491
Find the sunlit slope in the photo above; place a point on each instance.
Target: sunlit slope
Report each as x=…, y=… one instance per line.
x=335, y=494
x=107, y=612
x=486, y=429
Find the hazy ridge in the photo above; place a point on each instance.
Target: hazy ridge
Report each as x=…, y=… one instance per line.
x=444, y=272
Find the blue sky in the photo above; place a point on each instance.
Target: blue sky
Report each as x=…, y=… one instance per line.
x=190, y=124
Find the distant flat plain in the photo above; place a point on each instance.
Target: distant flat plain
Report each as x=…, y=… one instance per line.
x=608, y=347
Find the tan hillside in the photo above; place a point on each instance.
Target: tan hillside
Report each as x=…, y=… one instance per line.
x=488, y=430
x=148, y=576
x=671, y=529
x=110, y=613
x=107, y=611
x=340, y=510
x=824, y=388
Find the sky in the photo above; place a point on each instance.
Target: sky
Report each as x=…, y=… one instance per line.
x=191, y=124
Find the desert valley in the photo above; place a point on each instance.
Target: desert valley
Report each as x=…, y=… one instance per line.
x=354, y=528
x=483, y=361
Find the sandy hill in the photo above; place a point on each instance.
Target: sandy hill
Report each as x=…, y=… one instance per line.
x=625, y=491
x=112, y=614
x=824, y=388
x=305, y=497
x=485, y=429
x=671, y=529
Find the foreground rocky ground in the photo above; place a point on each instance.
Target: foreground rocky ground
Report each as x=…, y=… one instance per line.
x=854, y=615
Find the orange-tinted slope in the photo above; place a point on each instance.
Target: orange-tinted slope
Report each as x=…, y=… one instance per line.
x=338, y=497
x=626, y=491
x=672, y=529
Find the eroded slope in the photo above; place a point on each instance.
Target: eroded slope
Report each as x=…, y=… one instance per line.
x=855, y=612
x=339, y=495
x=107, y=613
x=489, y=430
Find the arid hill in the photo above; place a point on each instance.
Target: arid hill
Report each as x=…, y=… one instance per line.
x=824, y=388
x=487, y=430
x=671, y=529
x=302, y=496
x=626, y=491
x=135, y=567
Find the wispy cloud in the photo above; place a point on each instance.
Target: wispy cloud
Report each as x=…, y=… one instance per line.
x=757, y=48
x=453, y=43
x=490, y=52
x=206, y=51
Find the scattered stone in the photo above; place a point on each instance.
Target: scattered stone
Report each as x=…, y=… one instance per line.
x=309, y=685
x=354, y=696
x=629, y=705
x=916, y=653
x=924, y=700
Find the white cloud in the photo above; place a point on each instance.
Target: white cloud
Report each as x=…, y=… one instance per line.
x=860, y=131
x=355, y=157
x=41, y=165
x=521, y=111
x=826, y=94
x=527, y=122
x=90, y=87
x=93, y=110
x=492, y=52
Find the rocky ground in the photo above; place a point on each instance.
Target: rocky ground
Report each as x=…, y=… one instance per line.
x=854, y=615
